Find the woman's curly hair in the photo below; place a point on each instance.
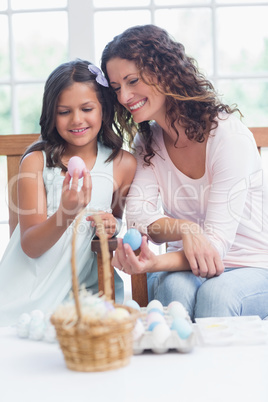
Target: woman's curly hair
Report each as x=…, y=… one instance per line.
x=64, y=76
x=191, y=99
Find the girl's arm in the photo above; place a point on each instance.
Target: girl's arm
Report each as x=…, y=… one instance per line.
x=39, y=233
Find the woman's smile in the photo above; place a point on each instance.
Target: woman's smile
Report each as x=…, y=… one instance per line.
x=133, y=93
x=138, y=105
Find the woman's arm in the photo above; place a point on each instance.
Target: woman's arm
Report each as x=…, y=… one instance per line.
x=143, y=212
x=202, y=259
x=124, y=168
x=198, y=253
x=39, y=233
x=232, y=165
x=126, y=260
x=142, y=203
x=234, y=201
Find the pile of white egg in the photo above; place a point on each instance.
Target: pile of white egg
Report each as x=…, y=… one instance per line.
x=36, y=326
x=158, y=324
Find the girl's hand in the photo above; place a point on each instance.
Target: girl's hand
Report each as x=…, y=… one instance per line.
x=72, y=200
x=126, y=260
x=202, y=256
x=109, y=222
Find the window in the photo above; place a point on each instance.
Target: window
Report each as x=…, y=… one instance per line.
x=35, y=41
x=37, y=36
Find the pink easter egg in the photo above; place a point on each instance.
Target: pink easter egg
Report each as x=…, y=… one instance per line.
x=76, y=163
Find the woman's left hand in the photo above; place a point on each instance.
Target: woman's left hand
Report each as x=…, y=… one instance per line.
x=109, y=221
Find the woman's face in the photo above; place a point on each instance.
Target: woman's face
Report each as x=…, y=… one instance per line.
x=143, y=101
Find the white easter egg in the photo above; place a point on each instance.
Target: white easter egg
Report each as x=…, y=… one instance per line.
x=22, y=332
x=50, y=334
x=138, y=330
x=37, y=315
x=155, y=304
x=37, y=325
x=24, y=319
x=176, y=309
x=76, y=163
x=160, y=333
x=118, y=313
x=36, y=331
x=23, y=325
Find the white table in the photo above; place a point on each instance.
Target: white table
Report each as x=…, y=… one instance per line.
x=32, y=371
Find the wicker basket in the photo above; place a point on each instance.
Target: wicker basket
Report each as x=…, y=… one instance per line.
x=93, y=344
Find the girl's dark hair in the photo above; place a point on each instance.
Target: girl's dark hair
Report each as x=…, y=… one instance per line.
x=191, y=99
x=61, y=78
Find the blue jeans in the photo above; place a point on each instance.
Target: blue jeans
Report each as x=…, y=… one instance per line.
x=237, y=291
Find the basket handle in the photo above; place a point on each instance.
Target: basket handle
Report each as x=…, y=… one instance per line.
x=105, y=260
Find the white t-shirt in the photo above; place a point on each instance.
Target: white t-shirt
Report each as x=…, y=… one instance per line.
x=230, y=202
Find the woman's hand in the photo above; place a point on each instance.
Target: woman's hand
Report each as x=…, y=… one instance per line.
x=126, y=260
x=202, y=256
x=72, y=200
x=109, y=222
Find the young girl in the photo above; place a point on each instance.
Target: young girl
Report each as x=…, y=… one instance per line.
x=77, y=119
x=202, y=162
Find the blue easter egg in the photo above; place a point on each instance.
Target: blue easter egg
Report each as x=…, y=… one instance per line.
x=182, y=327
x=133, y=304
x=133, y=238
x=153, y=325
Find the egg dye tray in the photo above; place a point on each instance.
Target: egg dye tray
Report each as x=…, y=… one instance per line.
x=172, y=343
x=220, y=331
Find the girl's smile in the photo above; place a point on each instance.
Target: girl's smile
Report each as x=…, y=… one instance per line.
x=79, y=131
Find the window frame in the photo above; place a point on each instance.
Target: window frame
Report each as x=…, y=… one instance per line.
x=80, y=14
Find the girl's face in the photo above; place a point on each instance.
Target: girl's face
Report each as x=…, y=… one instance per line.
x=78, y=115
x=143, y=101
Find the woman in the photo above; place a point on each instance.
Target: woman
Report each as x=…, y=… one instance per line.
x=201, y=161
